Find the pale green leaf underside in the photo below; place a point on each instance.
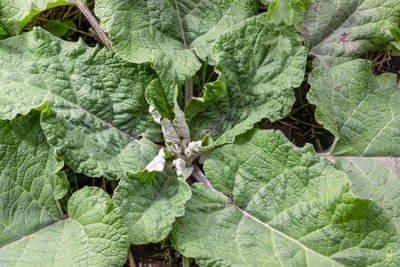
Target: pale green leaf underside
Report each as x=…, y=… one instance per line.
x=336, y=30
x=150, y=208
x=360, y=109
x=29, y=182
x=290, y=208
x=253, y=83
x=168, y=33
x=15, y=14
x=94, y=235
x=97, y=102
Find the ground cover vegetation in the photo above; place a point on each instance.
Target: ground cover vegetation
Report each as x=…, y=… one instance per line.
x=199, y=133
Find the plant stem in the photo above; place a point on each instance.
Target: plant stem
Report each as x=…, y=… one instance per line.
x=199, y=176
x=95, y=24
x=188, y=91
x=188, y=83
x=60, y=208
x=131, y=260
x=185, y=261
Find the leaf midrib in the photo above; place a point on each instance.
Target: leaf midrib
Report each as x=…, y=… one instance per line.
x=251, y=217
x=55, y=223
x=183, y=34
x=272, y=229
x=49, y=92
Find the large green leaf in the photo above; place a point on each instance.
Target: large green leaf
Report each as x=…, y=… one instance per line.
x=336, y=31
x=254, y=82
x=30, y=183
x=15, y=14
x=93, y=235
x=97, y=101
x=363, y=112
x=288, y=207
x=377, y=179
x=360, y=109
x=167, y=33
x=150, y=208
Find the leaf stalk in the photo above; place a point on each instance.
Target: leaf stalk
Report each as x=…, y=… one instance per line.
x=199, y=176
x=95, y=24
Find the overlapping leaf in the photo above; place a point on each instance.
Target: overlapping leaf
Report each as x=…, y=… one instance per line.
x=254, y=82
x=30, y=183
x=167, y=33
x=97, y=104
x=32, y=229
x=288, y=208
x=377, y=179
x=336, y=31
x=361, y=110
x=15, y=14
x=363, y=113
x=150, y=208
x=94, y=235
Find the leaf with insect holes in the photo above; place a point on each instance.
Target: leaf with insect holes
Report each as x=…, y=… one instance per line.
x=93, y=235
x=336, y=31
x=169, y=34
x=94, y=106
x=15, y=14
x=288, y=207
x=253, y=82
x=151, y=208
